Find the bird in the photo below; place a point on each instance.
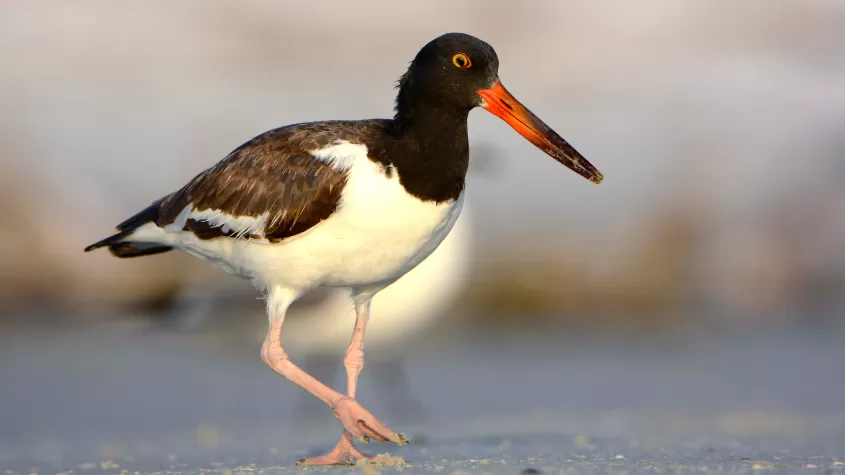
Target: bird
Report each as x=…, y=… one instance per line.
x=343, y=204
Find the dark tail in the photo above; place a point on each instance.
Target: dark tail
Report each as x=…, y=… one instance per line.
x=121, y=245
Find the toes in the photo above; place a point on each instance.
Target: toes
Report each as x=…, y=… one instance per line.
x=385, y=433
x=331, y=459
x=356, y=432
x=362, y=425
x=370, y=432
x=380, y=432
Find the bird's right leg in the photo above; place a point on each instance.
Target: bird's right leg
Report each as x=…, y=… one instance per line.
x=359, y=423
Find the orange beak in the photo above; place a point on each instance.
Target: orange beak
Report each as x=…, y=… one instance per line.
x=501, y=103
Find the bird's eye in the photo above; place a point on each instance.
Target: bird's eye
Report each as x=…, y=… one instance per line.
x=461, y=61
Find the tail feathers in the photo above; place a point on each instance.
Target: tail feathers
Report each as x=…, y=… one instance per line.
x=109, y=241
x=137, y=249
x=121, y=245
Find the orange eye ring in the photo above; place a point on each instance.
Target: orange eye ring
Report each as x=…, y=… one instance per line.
x=461, y=61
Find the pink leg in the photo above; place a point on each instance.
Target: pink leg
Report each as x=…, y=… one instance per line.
x=345, y=452
x=354, y=360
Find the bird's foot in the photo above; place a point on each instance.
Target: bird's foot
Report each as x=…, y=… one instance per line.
x=344, y=453
x=362, y=425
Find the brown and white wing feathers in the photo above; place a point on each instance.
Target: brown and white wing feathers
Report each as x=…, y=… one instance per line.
x=270, y=188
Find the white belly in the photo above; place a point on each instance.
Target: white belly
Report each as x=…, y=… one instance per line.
x=377, y=234
x=370, y=241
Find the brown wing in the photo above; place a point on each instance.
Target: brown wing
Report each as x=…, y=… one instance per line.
x=272, y=178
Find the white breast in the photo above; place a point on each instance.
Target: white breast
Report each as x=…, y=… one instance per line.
x=390, y=230
x=399, y=312
x=378, y=232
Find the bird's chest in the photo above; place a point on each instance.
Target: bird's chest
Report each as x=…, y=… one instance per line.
x=380, y=231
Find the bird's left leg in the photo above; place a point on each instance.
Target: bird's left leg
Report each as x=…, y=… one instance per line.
x=354, y=362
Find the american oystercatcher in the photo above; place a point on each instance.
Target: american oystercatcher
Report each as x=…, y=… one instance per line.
x=343, y=204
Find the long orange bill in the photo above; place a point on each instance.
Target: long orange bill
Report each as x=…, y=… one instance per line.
x=501, y=103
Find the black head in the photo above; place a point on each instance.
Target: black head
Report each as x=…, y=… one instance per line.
x=456, y=72
x=447, y=73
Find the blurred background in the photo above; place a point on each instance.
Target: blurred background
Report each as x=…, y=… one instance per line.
x=718, y=126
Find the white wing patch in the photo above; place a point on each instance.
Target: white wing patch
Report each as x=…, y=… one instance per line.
x=341, y=154
x=238, y=226
x=178, y=224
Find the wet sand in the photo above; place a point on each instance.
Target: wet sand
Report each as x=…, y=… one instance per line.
x=111, y=399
